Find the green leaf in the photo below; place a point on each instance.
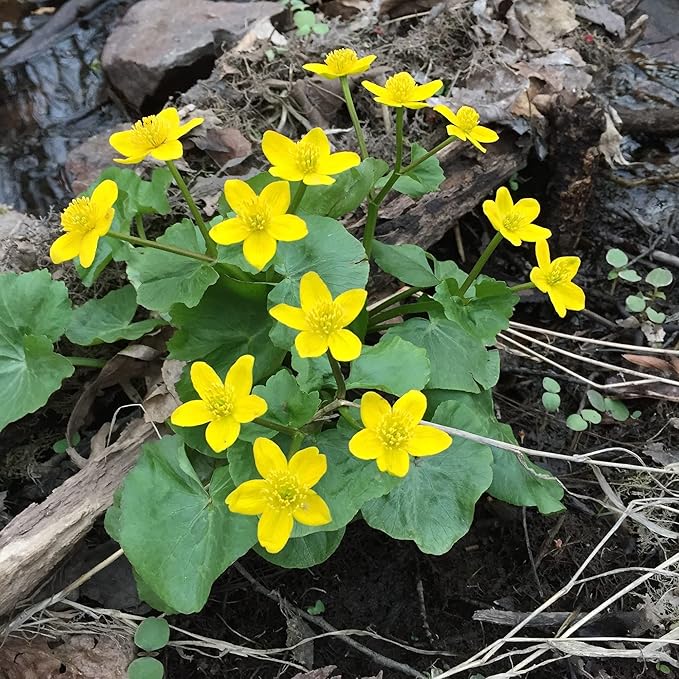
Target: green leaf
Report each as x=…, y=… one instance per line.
x=576, y=422
x=616, y=258
x=434, y=504
x=655, y=316
x=347, y=193
x=635, y=303
x=406, y=262
x=629, y=275
x=472, y=369
x=178, y=536
x=304, y=19
x=590, y=415
x=425, y=178
x=136, y=195
x=306, y=551
x=34, y=312
x=551, y=385
x=617, y=409
x=163, y=279
x=152, y=634
x=551, y=401
x=109, y=319
x=659, y=278
x=596, y=399
x=486, y=312
x=320, y=28
x=317, y=609
x=313, y=374
x=145, y=668
x=393, y=365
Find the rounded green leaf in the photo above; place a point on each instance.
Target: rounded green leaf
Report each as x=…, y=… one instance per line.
x=576, y=423
x=659, y=278
x=406, y=262
x=596, y=399
x=617, y=409
x=152, y=634
x=551, y=385
x=655, y=316
x=629, y=275
x=551, y=401
x=635, y=303
x=305, y=552
x=145, y=668
x=425, y=178
x=592, y=416
x=616, y=258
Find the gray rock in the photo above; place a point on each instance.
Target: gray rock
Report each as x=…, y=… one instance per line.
x=24, y=241
x=156, y=38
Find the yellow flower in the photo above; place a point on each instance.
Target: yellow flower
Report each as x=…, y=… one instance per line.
x=85, y=221
x=322, y=320
x=308, y=160
x=402, y=90
x=260, y=221
x=515, y=221
x=393, y=434
x=156, y=136
x=465, y=126
x=342, y=62
x=283, y=495
x=555, y=278
x=225, y=405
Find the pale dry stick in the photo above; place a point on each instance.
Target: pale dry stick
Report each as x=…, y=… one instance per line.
x=588, y=340
x=115, y=417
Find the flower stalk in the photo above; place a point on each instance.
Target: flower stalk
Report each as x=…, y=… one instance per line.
x=139, y=223
x=522, y=286
x=339, y=378
x=346, y=91
x=476, y=270
x=134, y=240
x=282, y=428
x=297, y=198
x=394, y=312
x=84, y=362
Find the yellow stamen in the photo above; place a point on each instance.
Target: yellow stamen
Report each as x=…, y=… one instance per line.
x=307, y=157
x=220, y=400
x=558, y=274
x=284, y=492
x=79, y=215
x=513, y=221
x=150, y=131
x=395, y=430
x=467, y=118
x=401, y=86
x=340, y=60
x=325, y=318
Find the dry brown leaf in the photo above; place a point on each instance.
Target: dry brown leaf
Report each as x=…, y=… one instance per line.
x=604, y=16
x=541, y=22
x=654, y=363
x=162, y=398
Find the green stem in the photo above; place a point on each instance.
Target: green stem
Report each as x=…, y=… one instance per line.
x=429, y=154
x=485, y=255
x=211, y=248
x=139, y=221
x=408, y=292
x=161, y=246
x=297, y=199
x=414, y=308
x=339, y=378
x=344, y=81
x=344, y=414
x=381, y=328
x=522, y=286
x=296, y=442
x=400, y=113
x=83, y=362
x=275, y=426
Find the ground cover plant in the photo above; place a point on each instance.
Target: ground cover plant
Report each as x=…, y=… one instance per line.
x=303, y=407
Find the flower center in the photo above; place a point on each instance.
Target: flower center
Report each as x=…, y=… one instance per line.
x=220, y=400
x=256, y=216
x=150, y=131
x=513, y=221
x=467, y=118
x=284, y=492
x=307, y=157
x=79, y=215
x=557, y=274
x=325, y=318
x=395, y=430
x=401, y=87
x=341, y=60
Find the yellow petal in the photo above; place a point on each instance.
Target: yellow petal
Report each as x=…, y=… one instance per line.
x=170, y=116
x=532, y=233
x=66, y=247
x=319, y=69
x=491, y=211
x=415, y=105
x=288, y=171
x=363, y=64
x=454, y=131
x=528, y=208
x=170, y=150
x=191, y=414
x=259, y=248
x=222, y=433
x=205, y=380
x=366, y=445
x=427, y=90
x=239, y=195
x=394, y=462
x=276, y=196
x=126, y=144
x=428, y=441
x=104, y=223
x=318, y=140
x=413, y=402
x=373, y=409
x=313, y=512
x=316, y=179
x=250, y=498
x=239, y=377
x=388, y=100
x=569, y=265
x=475, y=143
x=503, y=200
x=88, y=249
x=247, y=408
x=278, y=149
x=289, y=315
x=542, y=254
x=269, y=458
x=373, y=88
x=187, y=127
x=446, y=112
x=105, y=195
x=311, y=344
x=566, y=296
x=484, y=134
x=308, y=466
x=344, y=345
x=557, y=302
x=287, y=228
x=539, y=279
x=132, y=160
x=230, y=231
x=338, y=162
x=313, y=291
x=274, y=529
x=351, y=304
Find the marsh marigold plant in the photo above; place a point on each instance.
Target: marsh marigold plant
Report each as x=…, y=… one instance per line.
x=465, y=126
x=515, y=221
x=401, y=90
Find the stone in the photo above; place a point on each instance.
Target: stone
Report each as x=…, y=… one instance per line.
x=24, y=241
x=160, y=41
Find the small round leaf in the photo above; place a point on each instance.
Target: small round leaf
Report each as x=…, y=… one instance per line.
x=659, y=278
x=655, y=316
x=551, y=401
x=145, y=668
x=635, y=303
x=616, y=257
x=617, y=409
x=152, y=634
x=629, y=275
x=576, y=423
x=551, y=385
x=596, y=399
x=636, y=415
x=591, y=415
